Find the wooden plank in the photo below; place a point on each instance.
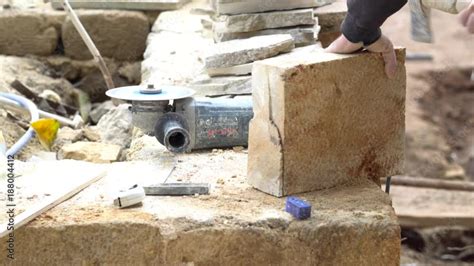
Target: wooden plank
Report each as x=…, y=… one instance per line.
x=30, y=214
x=431, y=183
x=428, y=207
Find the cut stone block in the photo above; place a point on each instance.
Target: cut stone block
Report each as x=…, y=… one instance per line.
x=322, y=119
x=94, y=152
x=123, y=4
x=252, y=6
x=301, y=35
x=29, y=32
x=238, y=52
x=117, y=34
x=261, y=21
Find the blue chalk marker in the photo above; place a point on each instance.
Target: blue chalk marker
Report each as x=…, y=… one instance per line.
x=299, y=208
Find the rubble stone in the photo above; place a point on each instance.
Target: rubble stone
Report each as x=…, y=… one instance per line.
x=261, y=21
x=117, y=34
x=238, y=52
x=29, y=32
x=94, y=152
x=324, y=119
x=100, y=110
x=251, y=6
x=115, y=127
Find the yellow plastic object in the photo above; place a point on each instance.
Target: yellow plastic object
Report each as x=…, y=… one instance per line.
x=46, y=129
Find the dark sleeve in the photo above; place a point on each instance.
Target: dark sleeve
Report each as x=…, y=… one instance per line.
x=364, y=18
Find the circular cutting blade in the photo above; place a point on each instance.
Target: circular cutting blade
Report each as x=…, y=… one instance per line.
x=132, y=93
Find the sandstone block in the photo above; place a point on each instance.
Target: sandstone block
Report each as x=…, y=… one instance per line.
x=301, y=35
x=117, y=34
x=94, y=152
x=23, y=33
x=123, y=4
x=261, y=21
x=238, y=52
x=323, y=119
x=251, y=6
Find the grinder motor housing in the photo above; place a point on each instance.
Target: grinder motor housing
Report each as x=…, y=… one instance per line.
x=183, y=123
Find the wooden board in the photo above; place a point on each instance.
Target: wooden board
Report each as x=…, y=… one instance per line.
x=428, y=207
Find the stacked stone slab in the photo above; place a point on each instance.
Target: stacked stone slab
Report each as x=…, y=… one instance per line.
x=322, y=120
x=238, y=19
x=299, y=23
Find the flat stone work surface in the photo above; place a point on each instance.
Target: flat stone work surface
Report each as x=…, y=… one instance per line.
x=234, y=225
x=323, y=119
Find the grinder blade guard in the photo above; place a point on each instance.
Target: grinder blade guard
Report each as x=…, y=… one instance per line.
x=187, y=123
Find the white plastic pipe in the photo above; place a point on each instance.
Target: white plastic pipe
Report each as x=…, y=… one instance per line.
x=30, y=133
x=77, y=122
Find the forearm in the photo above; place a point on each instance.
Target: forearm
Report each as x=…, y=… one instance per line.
x=364, y=18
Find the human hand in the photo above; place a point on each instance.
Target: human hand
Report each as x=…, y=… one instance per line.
x=466, y=17
x=383, y=46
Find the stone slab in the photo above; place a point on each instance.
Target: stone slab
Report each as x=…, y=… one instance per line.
x=123, y=4
x=234, y=225
x=238, y=52
x=261, y=21
x=251, y=6
x=117, y=34
x=301, y=35
x=29, y=32
x=321, y=120
x=330, y=17
x=239, y=70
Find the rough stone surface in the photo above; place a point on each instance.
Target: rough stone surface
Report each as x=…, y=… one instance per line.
x=261, y=21
x=36, y=75
x=100, y=110
x=146, y=148
x=301, y=35
x=94, y=152
x=168, y=45
x=239, y=70
x=324, y=119
x=124, y=4
x=234, y=225
x=115, y=127
x=238, y=52
x=117, y=34
x=29, y=32
x=251, y=6
x=330, y=17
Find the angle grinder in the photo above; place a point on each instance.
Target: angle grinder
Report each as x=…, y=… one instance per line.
x=183, y=123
